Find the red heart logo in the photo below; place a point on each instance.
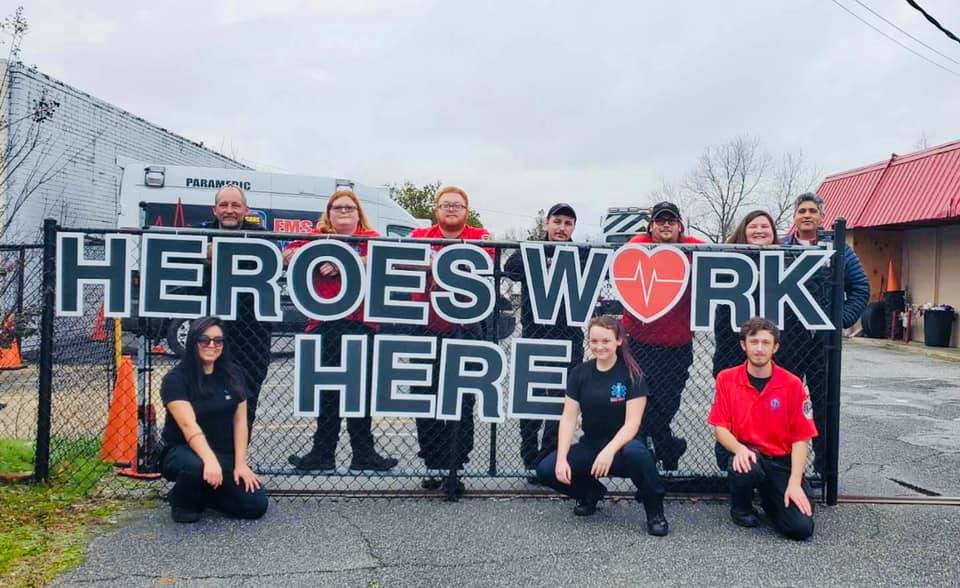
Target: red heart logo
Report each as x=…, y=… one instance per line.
x=649, y=282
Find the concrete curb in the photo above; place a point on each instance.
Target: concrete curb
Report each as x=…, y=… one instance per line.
x=944, y=353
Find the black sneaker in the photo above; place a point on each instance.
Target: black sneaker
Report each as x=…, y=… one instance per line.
x=459, y=489
x=657, y=525
x=534, y=481
x=670, y=455
x=184, y=515
x=312, y=462
x=431, y=483
x=374, y=463
x=585, y=507
x=745, y=518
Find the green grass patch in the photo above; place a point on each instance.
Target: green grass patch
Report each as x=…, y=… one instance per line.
x=44, y=527
x=15, y=456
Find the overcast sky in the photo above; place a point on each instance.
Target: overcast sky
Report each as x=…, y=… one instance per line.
x=521, y=103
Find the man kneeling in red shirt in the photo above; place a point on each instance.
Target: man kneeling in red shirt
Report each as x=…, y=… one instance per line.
x=763, y=417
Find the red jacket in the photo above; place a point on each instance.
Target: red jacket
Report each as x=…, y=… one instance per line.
x=435, y=324
x=329, y=286
x=673, y=328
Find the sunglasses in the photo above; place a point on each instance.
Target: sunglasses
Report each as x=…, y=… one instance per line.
x=205, y=341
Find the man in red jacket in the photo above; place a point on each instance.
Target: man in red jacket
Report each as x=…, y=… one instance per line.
x=664, y=348
x=447, y=445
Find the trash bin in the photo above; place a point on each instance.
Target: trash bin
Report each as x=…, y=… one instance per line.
x=937, y=325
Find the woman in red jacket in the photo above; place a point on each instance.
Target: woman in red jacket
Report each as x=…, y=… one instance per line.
x=344, y=216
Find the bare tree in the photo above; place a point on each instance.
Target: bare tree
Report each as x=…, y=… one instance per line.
x=922, y=143
x=726, y=178
x=31, y=156
x=791, y=177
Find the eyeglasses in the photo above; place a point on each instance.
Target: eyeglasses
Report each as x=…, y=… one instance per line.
x=453, y=206
x=205, y=341
x=344, y=209
x=671, y=221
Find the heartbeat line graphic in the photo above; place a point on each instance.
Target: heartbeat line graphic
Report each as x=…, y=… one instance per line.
x=647, y=286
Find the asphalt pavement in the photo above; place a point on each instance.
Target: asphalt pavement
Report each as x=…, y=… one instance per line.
x=900, y=437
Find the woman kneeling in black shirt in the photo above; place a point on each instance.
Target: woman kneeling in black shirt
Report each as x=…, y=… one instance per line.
x=205, y=435
x=610, y=392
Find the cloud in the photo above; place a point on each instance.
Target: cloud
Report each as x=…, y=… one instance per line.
x=524, y=104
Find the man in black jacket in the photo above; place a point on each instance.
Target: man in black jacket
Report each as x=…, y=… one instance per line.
x=560, y=224
x=248, y=338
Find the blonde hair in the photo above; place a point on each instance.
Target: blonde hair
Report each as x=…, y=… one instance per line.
x=325, y=226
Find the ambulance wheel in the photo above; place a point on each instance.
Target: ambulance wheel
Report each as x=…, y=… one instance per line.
x=177, y=330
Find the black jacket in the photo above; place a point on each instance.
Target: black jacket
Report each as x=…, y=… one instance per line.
x=514, y=270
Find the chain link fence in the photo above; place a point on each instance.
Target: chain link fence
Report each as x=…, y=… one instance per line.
x=105, y=407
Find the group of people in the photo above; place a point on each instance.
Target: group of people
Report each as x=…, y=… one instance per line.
x=626, y=395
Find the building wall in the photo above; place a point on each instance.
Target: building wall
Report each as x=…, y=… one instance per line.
x=876, y=249
x=76, y=155
x=930, y=271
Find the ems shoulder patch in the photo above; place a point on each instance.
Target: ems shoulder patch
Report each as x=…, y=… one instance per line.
x=807, y=409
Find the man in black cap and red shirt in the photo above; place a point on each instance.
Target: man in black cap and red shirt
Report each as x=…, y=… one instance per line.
x=664, y=347
x=560, y=223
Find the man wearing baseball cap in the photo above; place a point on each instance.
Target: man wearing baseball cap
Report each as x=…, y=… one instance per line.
x=560, y=223
x=664, y=347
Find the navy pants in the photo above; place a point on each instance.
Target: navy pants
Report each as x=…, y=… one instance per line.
x=666, y=370
x=183, y=466
x=633, y=461
x=329, y=421
x=770, y=475
x=532, y=447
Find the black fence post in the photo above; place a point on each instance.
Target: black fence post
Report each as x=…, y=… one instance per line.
x=494, y=335
x=41, y=469
x=834, y=360
x=22, y=262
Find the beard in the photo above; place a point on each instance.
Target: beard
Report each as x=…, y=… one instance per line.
x=451, y=226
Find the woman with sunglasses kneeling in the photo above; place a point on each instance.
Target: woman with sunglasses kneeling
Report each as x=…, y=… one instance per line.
x=610, y=392
x=205, y=435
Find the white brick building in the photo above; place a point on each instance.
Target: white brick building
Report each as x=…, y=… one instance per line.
x=72, y=168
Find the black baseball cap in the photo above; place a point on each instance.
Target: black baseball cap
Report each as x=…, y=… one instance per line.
x=665, y=207
x=562, y=208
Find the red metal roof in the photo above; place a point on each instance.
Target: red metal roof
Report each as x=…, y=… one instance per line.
x=913, y=188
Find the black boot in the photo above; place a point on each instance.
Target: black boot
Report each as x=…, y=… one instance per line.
x=670, y=454
x=657, y=524
x=313, y=462
x=373, y=462
x=742, y=512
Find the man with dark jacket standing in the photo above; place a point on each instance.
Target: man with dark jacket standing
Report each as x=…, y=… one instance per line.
x=808, y=210
x=560, y=223
x=664, y=347
x=248, y=338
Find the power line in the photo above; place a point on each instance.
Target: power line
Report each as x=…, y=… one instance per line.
x=933, y=20
x=920, y=55
x=880, y=16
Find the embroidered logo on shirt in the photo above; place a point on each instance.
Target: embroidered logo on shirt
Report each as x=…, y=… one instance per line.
x=618, y=392
x=226, y=394
x=807, y=409
x=775, y=404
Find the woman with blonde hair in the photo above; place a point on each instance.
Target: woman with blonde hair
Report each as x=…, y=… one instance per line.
x=344, y=215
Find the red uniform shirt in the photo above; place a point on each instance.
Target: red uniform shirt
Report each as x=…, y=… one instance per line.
x=435, y=324
x=770, y=421
x=329, y=286
x=673, y=328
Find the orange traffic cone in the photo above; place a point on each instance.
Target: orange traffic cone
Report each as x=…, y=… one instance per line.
x=99, y=332
x=10, y=355
x=893, y=281
x=120, y=436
